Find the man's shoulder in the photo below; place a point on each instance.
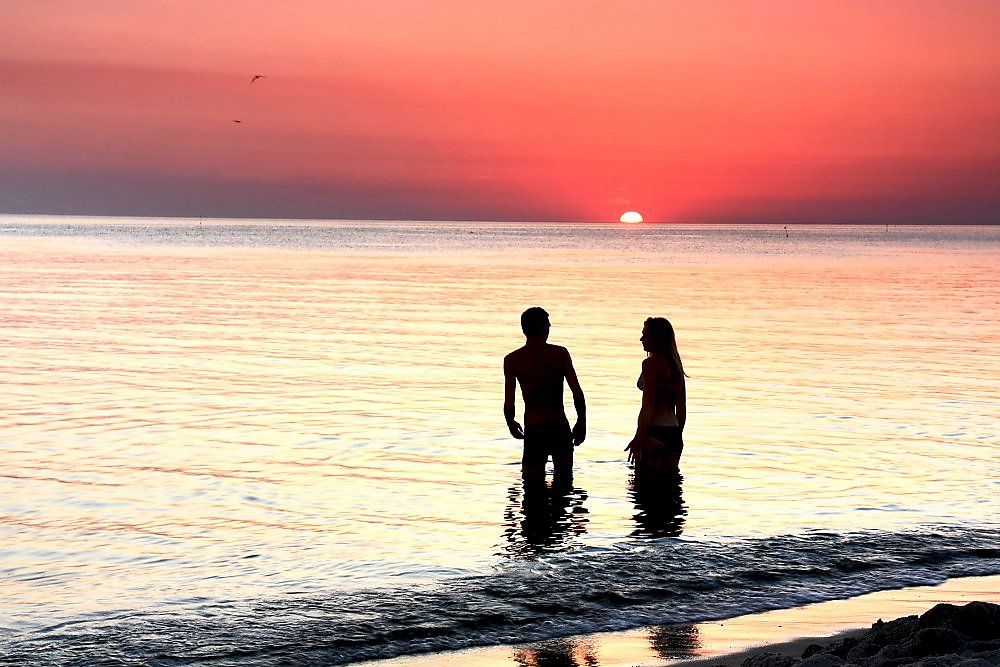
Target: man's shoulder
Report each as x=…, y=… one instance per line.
x=532, y=355
x=514, y=354
x=556, y=352
x=514, y=357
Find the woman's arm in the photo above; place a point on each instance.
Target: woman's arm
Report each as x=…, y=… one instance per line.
x=682, y=408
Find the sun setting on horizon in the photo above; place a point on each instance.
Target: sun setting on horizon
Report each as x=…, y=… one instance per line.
x=630, y=217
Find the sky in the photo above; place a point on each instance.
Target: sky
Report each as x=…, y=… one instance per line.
x=691, y=111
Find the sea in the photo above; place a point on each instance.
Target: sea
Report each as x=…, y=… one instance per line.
x=271, y=442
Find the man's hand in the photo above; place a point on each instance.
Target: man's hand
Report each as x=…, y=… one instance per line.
x=515, y=429
x=579, y=433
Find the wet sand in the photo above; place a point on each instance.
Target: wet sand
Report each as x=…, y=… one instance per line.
x=727, y=642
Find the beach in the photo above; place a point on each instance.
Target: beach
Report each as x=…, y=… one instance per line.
x=728, y=642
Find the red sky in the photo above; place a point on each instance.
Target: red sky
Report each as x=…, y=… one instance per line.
x=691, y=111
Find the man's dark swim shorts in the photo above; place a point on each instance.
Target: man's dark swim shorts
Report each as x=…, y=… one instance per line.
x=544, y=439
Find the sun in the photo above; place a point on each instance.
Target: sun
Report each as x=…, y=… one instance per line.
x=630, y=217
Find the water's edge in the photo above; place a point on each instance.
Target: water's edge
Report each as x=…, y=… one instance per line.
x=727, y=641
x=666, y=581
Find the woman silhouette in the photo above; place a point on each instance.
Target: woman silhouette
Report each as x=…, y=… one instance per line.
x=657, y=443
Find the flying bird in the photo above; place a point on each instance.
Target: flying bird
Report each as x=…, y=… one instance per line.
x=256, y=76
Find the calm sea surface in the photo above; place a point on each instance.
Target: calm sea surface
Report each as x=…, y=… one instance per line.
x=253, y=442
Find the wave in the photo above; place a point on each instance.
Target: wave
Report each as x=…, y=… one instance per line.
x=652, y=582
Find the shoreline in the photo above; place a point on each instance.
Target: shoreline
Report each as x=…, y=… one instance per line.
x=725, y=642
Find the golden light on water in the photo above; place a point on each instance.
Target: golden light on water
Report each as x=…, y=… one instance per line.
x=274, y=421
x=631, y=217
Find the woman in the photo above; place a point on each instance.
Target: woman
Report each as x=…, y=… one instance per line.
x=657, y=443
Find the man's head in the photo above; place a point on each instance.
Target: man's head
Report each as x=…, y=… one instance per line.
x=535, y=323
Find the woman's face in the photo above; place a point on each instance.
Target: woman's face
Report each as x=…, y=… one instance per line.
x=645, y=339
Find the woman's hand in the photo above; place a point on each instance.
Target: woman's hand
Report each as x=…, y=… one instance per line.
x=642, y=445
x=634, y=450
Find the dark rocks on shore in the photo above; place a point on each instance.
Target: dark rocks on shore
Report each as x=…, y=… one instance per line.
x=946, y=636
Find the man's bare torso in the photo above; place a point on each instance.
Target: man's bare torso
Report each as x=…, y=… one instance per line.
x=540, y=370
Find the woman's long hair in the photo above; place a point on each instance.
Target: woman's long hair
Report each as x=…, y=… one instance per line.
x=661, y=334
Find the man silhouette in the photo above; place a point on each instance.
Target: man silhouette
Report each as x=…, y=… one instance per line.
x=539, y=368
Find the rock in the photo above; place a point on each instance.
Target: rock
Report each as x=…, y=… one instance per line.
x=822, y=660
x=976, y=662
x=811, y=650
x=976, y=620
x=945, y=636
x=893, y=632
x=950, y=660
x=984, y=646
x=843, y=647
x=770, y=660
x=936, y=641
x=862, y=653
x=992, y=657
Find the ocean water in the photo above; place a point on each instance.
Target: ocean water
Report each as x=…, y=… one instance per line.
x=281, y=442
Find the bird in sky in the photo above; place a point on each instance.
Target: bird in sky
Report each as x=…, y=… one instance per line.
x=256, y=76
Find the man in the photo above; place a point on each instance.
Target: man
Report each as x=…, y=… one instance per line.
x=539, y=368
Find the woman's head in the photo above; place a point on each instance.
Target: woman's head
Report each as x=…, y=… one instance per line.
x=658, y=338
x=658, y=335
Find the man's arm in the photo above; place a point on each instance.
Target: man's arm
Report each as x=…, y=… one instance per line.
x=509, y=386
x=579, y=402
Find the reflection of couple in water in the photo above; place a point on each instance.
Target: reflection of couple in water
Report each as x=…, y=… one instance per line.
x=540, y=368
x=543, y=519
x=668, y=642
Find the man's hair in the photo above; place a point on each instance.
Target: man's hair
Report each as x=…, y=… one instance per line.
x=533, y=321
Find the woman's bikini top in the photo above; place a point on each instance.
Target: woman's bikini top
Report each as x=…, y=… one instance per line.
x=662, y=395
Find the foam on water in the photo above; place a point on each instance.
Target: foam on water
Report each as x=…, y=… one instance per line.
x=598, y=589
